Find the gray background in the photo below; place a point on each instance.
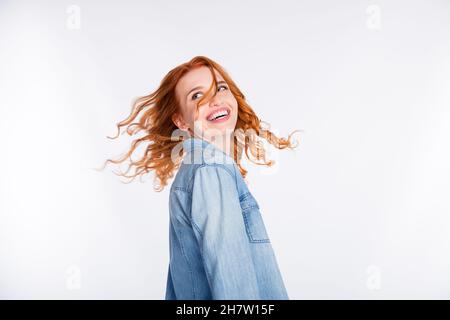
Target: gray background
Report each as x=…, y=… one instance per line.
x=360, y=210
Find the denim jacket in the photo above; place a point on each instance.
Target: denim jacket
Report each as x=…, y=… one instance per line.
x=219, y=246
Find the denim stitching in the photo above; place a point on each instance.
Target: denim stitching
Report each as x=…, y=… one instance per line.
x=210, y=164
x=254, y=206
x=247, y=228
x=180, y=189
x=208, y=276
x=244, y=196
x=188, y=263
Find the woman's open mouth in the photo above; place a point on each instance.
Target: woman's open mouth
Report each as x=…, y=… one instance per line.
x=219, y=115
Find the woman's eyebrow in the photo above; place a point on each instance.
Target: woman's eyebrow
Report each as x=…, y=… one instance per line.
x=199, y=87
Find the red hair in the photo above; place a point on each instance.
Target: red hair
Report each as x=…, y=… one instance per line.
x=155, y=112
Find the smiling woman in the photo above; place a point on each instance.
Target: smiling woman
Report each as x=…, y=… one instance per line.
x=214, y=120
x=219, y=245
x=180, y=108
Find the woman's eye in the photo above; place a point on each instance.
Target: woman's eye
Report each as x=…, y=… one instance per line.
x=195, y=94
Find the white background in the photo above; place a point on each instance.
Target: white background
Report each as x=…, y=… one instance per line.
x=359, y=211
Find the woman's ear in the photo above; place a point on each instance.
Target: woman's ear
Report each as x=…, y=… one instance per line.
x=179, y=122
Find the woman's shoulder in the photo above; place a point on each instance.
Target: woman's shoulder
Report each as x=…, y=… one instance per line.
x=203, y=160
x=188, y=173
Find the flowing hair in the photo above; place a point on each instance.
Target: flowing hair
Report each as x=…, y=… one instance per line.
x=152, y=114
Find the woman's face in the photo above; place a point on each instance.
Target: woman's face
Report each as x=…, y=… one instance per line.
x=216, y=117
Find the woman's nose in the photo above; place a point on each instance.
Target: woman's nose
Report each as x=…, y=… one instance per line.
x=215, y=101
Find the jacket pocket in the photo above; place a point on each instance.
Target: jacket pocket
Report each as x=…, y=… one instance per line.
x=254, y=224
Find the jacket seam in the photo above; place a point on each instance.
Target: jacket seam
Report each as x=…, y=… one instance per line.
x=249, y=233
x=187, y=262
x=208, y=276
x=189, y=192
x=181, y=189
x=210, y=165
x=244, y=196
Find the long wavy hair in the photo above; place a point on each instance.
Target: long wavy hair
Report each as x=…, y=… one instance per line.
x=154, y=113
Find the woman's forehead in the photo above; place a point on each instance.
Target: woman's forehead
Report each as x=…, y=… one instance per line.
x=197, y=77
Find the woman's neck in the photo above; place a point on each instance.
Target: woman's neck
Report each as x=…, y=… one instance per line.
x=223, y=142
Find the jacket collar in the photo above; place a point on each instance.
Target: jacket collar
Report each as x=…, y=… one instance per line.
x=205, y=149
x=192, y=143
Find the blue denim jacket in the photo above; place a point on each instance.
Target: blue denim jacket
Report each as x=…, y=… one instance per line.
x=219, y=246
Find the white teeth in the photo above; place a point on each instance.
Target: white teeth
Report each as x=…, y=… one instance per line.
x=216, y=114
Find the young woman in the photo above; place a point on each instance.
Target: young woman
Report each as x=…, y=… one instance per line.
x=199, y=123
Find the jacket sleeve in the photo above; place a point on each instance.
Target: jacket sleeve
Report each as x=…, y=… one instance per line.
x=220, y=231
